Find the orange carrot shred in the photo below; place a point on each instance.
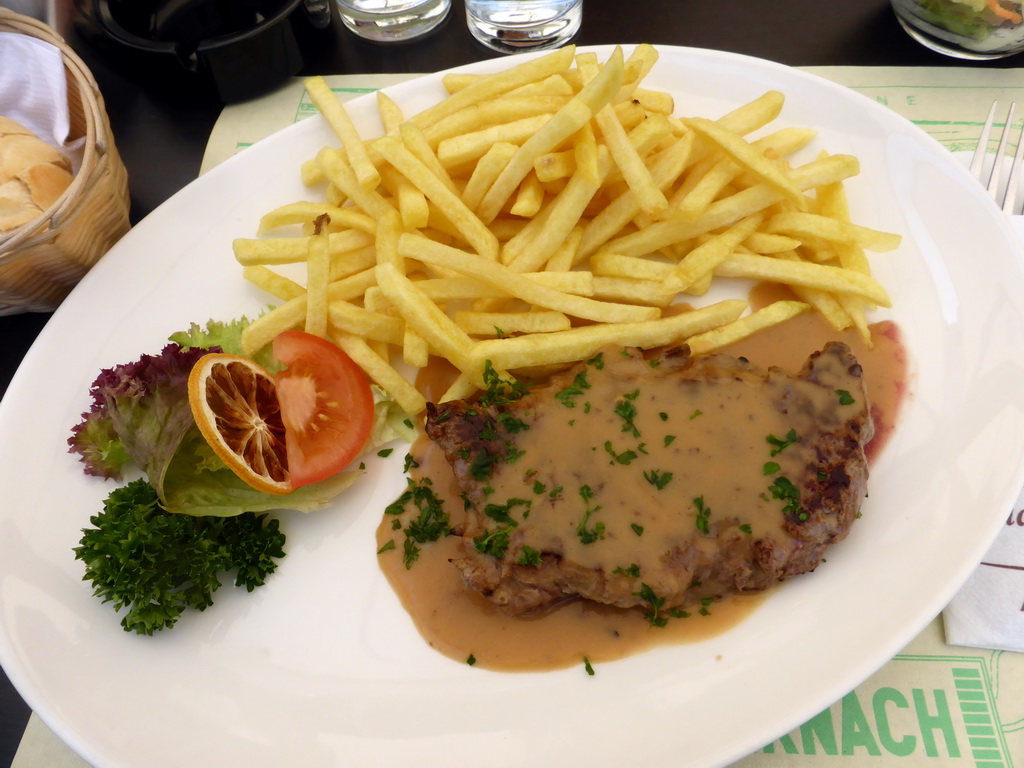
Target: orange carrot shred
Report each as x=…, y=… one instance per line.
x=1004, y=13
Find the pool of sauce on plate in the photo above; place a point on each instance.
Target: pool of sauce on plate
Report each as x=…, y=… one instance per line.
x=462, y=624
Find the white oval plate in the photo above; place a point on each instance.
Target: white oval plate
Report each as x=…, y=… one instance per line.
x=322, y=666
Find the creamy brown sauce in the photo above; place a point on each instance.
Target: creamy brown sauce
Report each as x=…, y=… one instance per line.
x=461, y=623
x=788, y=344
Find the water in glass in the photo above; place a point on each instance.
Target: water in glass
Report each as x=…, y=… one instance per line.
x=392, y=21
x=517, y=25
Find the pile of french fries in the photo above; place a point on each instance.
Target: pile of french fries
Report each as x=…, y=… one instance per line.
x=538, y=214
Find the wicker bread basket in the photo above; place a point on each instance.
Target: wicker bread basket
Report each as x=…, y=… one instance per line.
x=42, y=261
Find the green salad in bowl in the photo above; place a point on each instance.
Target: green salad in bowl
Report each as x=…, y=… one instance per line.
x=970, y=29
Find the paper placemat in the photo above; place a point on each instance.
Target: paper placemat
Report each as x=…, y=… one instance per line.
x=932, y=704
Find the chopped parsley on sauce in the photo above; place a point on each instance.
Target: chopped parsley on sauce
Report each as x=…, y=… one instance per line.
x=780, y=444
x=652, y=614
x=528, y=556
x=658, y=478
x=589, y=535
x=784, y=489
x=429, y=525
x=845, y=398
x=626, y=457
x=627, y=412
x=703, y=515
x=579, y=384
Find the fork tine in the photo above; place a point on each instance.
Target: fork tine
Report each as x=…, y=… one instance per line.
x=997, y=161
x=1010, y=197
x=979, y=152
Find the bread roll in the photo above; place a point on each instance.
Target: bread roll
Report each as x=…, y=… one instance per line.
x=33, y=175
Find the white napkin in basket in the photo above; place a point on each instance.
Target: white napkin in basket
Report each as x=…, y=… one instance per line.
x=988, y=611
x=33, y=91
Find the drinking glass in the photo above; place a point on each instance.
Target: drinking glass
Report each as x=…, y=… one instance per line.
x=392, y=21
x=966, y=29
x=516, y=25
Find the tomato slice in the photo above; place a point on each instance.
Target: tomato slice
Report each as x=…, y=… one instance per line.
x=326, y=406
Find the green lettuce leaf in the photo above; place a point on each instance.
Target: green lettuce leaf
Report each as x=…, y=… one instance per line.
x=141, y=416
x=198, y=483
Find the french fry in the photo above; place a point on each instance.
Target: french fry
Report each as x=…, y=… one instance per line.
x=382, y=373
x=352, y=144
x=733, y=208
x=754, y=114
x=703, y=259
x=390, y=113
x=502, y=111
x=633, y=291
x=505, y=323
x=585, y=155
x=519, y=286
x=386, y=245
x=415, y=351
x=416, y=143
x=440, y=332
x=763, y=242
x=748, y=157
x=467, y=147
x=311, y=174
x=293, y=250
x=831, y=200
x=585, y=341
x=485, y=172
x=339, y=172
x=492, y=86
x=303, y=212
x=564, y=256
x=637, y=175
x=610, y=220
x=318, y=275
x=614, y=265
x=657, y=102
x=284, y=317
x=271, y=282
x=347, y=317
x=352, y=262
x=528, y=200
x=465, y=221
x=727, y=333
x=443, y=289
x=537, y=242
x=554, y=165
x=460, y=389
x=569, y=119
x=826, y=304
x=818, y=276
x=798, y=224
x=412, y=203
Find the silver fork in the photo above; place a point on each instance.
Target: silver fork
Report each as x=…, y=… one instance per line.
x=977, y=166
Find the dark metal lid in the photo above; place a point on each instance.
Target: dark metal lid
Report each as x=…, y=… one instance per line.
x=240, y=47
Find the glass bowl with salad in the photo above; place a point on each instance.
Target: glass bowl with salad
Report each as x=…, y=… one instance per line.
x=967, y=29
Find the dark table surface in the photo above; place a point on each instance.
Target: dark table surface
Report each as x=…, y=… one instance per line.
x=161, y=128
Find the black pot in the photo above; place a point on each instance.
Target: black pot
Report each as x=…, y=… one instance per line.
x=240, y=48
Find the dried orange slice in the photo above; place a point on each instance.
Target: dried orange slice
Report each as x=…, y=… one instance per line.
x=234, y=402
